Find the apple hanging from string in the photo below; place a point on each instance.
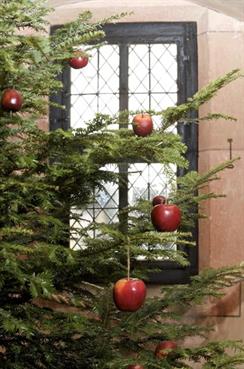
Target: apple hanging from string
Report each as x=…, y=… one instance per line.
x=135, y=366
x=79, y=60
x=11, y=100
x=142, y=124
x=164, y=348
x=166, y=217
x=129, y=294
x=159, y=199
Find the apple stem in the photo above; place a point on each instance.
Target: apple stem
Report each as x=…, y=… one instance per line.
x=128, y=261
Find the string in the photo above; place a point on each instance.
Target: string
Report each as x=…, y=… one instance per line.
x=128, y=260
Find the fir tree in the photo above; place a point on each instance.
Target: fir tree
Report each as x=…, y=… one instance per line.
x=45, y=174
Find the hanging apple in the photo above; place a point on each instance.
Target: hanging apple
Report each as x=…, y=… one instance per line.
x=12, y=100
x=159, y=199
x=79, y=60
x=129, y=294
x=142, y=124
x=164, y=348
x=135, y=366
x=166, y=217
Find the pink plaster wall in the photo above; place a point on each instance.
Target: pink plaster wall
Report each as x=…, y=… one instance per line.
x=222, y=236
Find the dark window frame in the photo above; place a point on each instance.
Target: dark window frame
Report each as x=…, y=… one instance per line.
x=184, y=34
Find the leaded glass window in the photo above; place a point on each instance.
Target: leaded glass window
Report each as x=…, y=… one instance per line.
x=152, y=84
x=143, y=66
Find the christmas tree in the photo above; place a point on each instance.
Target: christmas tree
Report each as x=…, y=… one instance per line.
x=58, y=306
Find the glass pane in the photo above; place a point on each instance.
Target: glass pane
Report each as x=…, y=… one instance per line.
x=152, y=72
x=138, y=182
x=138, y=102
x=162, y=182
x=108, y=69
x=85, y=80
x=138, y=68
x=79, y=220
x=109, y=195
x=149, y=180
x=82, y=109
x=107, y=215
x=95, y=88
x=159, y=102
x=163, y=68
x=108, y=104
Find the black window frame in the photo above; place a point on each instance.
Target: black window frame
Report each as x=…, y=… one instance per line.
x=184, y=34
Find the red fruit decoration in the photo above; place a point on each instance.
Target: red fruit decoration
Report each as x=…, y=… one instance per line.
x=166, y=217
x=129, y=294
x=142, y=124
x=79, y=60
x=12, y=100
x=135, y=366
x=164, y=348
x=159, y=199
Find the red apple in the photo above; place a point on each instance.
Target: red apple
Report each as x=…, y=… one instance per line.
x=158, y=200
x=129, y=294
x=166, y=217
x=135, y=366
x=142, y=124
x=79, y=60
x=164, y=348
x=12, y=100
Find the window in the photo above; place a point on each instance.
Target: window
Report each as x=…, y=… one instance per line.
x=143, y=66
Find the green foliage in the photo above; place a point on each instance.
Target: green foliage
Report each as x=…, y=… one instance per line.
x=56, y=305
x=172, y=115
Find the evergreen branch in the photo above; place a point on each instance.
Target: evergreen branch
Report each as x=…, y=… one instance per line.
x=79, y=32
x=215, y=116
x=207, y=283
x=172, y=115
x=208, y=117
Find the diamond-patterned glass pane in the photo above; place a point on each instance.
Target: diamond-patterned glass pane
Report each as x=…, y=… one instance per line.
x=138, y=101
x=163, y=68
x=149, y=180
x=138, y=69
x=152, y=85
x=152, y=72
x=95, y=88
x=152, y=81
x=108, y=71
x=104, y=209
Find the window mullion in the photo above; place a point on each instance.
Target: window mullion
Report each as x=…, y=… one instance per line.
x=123, y=105
x=124, y=80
